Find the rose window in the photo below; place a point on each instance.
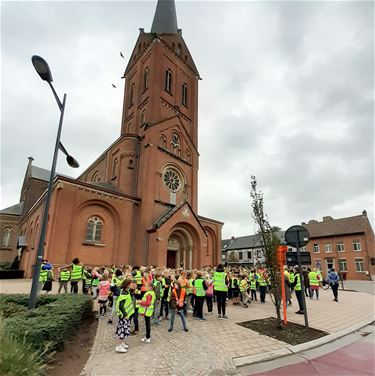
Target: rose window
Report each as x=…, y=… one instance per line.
x=172, y=180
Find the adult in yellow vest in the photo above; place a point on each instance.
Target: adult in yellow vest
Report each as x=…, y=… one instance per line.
x=76, y=275
x=44, y=267
x=314, y=279
x=262, y=282
x=124, y=310
x=298, y=280
x=146, y=309
x=200, y=288
x=221, y=282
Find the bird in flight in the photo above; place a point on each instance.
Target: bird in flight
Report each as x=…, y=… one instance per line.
x=122, y=55
x=114, y=86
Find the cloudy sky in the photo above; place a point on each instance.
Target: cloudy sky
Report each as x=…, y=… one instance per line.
x=287, y=95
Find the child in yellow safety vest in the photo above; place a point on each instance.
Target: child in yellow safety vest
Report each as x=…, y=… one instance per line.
x=124, y=310
x=146, y=309
x=243, y=290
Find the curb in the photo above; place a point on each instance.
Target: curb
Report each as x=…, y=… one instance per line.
x=290, y=350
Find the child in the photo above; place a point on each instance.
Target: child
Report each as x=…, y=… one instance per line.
x=124, y=310
x=103, y=289
x=96, y=276
x=243, y=290
x=63, y=280
x=146, y=309
x=158, y=289
x=47, y=287
x=116, y=282
x=177, y=303
x=209, y=293
x=253, y=285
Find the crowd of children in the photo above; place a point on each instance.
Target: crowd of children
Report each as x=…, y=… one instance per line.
x=156, y=294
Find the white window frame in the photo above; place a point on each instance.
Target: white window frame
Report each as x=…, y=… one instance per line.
x=328, y=248
x=360, y=260
x=357, y=243
x=340, y=247
x=97, y=221
x=7, y=237
x=240, y=255
x=346, y=265
x=316, y=248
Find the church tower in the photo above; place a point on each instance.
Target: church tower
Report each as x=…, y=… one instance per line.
x=160, y=107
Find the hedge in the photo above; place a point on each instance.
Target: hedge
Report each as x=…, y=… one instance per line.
x=48, y=325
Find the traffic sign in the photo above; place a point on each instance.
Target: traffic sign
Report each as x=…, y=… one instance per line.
x=297, y=236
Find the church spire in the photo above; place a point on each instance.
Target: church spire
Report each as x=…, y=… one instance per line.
x=165, y=19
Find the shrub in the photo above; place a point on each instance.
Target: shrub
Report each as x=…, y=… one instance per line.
x=48, y=325
x=9, y=309
x=19, y=358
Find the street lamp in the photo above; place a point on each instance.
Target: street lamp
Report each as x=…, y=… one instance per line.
x=44, y=72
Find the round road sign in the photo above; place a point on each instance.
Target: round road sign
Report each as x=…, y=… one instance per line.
x=297, y=236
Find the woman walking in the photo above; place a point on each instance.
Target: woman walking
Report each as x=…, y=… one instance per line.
x=221, y=282
x=334, y=280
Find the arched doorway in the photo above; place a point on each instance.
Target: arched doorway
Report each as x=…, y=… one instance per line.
x=180, y=249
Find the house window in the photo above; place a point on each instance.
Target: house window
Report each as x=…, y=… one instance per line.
x=340, y=247
x=356, y=245
x=7, y=237
x=359, y=265
x=131, y=95
x=302, y=249
x=316, y=248
x=318, y=264
x=240, y=256
x=343, y=266
x=114, y=168
x=249, y=254
x=94, y=229
x=168, y=80
x=145, y=79
x=184, y=94
x=327, y=248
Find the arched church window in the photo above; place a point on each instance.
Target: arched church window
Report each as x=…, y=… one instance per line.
x=175, y=140
x=114, y=168
x=172, y=180
x=163, y=141
x=95, y=178
x=179, y=49
x=168, y=80
x=7, y=236
x=188, y=156
x=145, y=78
x=184, y=100
x=131, y=95
x=94, y=229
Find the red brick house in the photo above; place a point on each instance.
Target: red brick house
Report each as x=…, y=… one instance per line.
x=137, y=203
x=347, y=244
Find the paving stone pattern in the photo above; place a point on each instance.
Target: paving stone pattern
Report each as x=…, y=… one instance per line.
x=209, y=347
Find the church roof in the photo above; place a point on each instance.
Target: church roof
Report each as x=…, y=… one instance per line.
x=40, y=173
x=165, y=18
x=106, y=185
x=13, y=210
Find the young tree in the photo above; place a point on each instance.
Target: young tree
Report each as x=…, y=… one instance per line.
x=270, y=242
x=232, y=257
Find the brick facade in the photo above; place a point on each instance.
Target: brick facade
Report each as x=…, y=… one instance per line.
x=141, y=194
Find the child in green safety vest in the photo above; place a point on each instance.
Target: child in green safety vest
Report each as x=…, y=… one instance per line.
x=158, y=289
x=146, y=309
x=63, y=280
x=253, y=285
x=245, y=299
x=124, y=310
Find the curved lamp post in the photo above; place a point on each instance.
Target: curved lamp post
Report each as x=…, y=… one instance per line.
x=44, y=72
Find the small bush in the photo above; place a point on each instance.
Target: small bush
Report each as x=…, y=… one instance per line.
x=10, y=309
x=50, y=324
x=19, y=358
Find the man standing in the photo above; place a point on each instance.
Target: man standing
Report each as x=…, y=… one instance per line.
x=334, y=280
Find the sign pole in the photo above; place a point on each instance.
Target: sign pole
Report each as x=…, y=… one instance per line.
x=302, y=283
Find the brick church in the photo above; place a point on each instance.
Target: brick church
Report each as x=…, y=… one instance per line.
x=137, y=202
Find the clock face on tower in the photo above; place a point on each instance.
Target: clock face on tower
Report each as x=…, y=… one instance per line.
x=172, y=180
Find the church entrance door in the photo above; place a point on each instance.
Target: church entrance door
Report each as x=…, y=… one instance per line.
x=180, y=249
x=171, y=259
